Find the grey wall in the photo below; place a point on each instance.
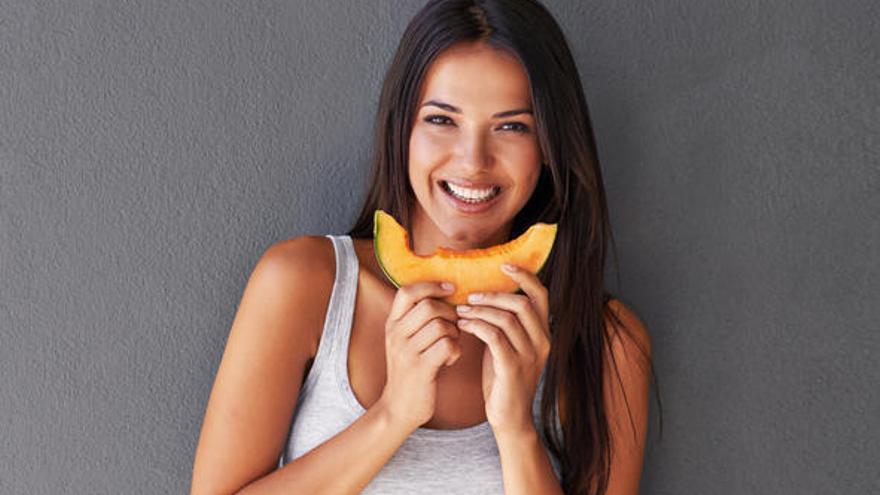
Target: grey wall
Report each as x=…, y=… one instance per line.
x=149, y=153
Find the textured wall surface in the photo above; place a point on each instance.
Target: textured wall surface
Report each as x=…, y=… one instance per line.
x=150, y=152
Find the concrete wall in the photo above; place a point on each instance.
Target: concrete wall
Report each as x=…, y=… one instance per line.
x=150, y=151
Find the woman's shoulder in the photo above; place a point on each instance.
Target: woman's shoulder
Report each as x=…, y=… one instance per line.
x=306, y=261
x=625, y=329
x=298, y=272
x=300, y=252
x=312, y=258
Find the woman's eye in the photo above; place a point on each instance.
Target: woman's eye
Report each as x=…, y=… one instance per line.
x=519, y=127
x=431, y=119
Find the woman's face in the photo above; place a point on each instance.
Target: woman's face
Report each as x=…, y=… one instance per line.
x=459, y=137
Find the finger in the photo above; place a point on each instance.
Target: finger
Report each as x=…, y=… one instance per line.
x=423, y=312
x=532, y=286
x=507, y=321
x=503, y=355
x=409, y=295
x=520, y=305
x=443, y=351
x=431, y=332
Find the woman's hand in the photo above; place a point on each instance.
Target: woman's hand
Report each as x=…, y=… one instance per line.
x=420, y=337
x=516, y=331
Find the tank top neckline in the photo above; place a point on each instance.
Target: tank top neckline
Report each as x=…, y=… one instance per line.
x=348, y=260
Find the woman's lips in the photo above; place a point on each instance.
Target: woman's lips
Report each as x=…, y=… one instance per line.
x=465, y=207
x=469, y=184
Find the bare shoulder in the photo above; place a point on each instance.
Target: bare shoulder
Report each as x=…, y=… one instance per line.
x=272, y=338
x=298, y=273
x=626, y=331
x=292, y=260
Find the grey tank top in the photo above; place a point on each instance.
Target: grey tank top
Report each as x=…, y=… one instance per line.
x=430, y=461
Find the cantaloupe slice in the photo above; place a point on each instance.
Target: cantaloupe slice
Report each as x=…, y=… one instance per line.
x=473, y=270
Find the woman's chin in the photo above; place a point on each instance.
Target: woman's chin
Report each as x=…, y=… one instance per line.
x=464, y=239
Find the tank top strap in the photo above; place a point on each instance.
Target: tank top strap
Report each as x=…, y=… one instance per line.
x=340, y=310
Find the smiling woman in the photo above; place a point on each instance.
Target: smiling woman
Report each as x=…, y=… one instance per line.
x=336, y=381
x=472, y=167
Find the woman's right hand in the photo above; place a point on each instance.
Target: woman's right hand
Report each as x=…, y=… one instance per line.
x=420, y=337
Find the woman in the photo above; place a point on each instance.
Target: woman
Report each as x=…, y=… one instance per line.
x=360, y=387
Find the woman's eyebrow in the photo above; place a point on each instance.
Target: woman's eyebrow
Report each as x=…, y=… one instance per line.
x=453, y=109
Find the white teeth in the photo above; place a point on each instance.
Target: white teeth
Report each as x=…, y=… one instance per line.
x=472, y=194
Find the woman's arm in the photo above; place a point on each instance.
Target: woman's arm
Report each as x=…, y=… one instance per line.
x=626, y=400
x=525, y=465
x=524, y=461
x=275, y=330
x=344, y=464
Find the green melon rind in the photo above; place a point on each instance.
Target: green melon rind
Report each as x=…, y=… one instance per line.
x=376, y=249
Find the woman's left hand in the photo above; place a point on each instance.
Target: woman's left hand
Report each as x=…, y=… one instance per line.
x=516, y=331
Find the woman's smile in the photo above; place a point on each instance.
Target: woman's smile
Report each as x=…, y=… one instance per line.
x=469, y=201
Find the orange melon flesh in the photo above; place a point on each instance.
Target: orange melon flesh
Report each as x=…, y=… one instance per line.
x=473, y=270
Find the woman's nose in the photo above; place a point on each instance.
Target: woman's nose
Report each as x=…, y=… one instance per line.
x=474, y=150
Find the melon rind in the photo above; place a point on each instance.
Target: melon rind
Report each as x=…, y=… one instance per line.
x=377, y=247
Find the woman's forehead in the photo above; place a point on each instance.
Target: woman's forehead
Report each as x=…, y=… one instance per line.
x=476, y=76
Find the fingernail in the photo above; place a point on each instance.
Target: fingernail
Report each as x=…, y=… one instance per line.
x=475, y=297
x=462, y=323
x=447, y=286
x=507, y=267
x=461, y=308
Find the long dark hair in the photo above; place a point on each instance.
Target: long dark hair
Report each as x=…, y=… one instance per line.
x=570, y=192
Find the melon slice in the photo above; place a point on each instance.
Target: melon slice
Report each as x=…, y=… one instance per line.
x=473, y=270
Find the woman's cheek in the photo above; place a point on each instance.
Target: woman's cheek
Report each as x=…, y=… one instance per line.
x=523, y=150
x=427, y=145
